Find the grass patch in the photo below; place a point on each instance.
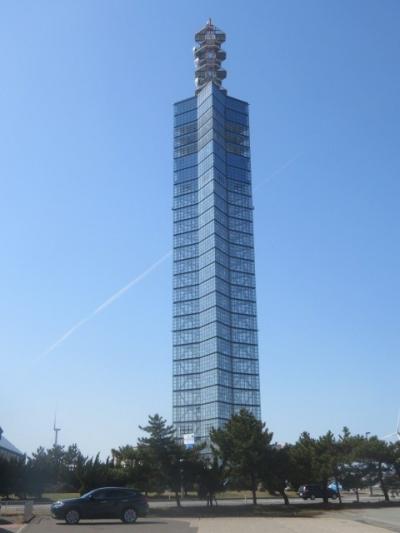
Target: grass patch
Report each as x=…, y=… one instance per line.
x=227, y=495
x=54, y=496
x=247, y=494
x=225, y=511
x=298, y=510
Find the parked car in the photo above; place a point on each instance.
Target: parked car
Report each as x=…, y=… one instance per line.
x=107, y=502
x=315, y=491
x=335, y=485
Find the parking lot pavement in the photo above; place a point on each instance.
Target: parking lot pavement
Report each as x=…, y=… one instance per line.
x=10, y=524
x=11, y=528
x=387, y=517
x=44, y=508
x=46, y=524
x=283, y=525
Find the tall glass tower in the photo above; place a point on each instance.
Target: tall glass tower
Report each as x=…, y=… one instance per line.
x=215, y=352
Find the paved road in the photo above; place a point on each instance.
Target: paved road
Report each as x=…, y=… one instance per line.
x=329, y=524
x=388, y=518
x=9, y=528
x=46, y=524
x=375, y=520
x=45, y=507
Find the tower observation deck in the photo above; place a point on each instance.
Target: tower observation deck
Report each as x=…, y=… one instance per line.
x=209, y=56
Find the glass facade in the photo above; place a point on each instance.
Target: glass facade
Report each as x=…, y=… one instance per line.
x=215, y=352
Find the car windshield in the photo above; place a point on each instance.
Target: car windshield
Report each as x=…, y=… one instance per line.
x=87, y=494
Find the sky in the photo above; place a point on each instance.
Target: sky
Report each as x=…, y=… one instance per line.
x=85, y=210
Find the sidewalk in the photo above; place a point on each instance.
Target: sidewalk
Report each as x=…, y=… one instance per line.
x=281, y=525
x=11, y=527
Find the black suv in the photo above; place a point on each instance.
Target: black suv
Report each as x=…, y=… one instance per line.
x=315, y=491
x=107, y=502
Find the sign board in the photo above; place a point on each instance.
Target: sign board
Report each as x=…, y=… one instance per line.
x=188, y=440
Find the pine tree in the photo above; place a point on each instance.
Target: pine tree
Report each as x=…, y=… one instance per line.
x=241, y=445
x=160, y=434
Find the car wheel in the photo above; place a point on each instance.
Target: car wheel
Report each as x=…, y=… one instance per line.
x=72, y=516
x=129, y=516
x=334, y=496
x=312, y=496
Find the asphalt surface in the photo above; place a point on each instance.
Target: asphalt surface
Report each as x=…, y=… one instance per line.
x=387, y=518
x=157, y=504
x=45, y=524
x=365, y=520
x=339, y=523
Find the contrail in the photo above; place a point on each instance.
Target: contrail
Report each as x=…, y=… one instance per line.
x=278, y=171
x=141, y=276
x=104, y=305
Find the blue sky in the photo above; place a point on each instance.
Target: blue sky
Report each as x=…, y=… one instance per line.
x=85, y=207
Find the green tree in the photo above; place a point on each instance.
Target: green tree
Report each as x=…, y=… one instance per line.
x=315, y=461
x=379, y=458
x=144, y=474
x=241, y=446
x=354, y=477
x=154, y=450
x=277, y=470
x=351, y=472
x=12, y=477
x=95, y=474
x=137, y=465
x=327, y=458
x=159, y=434
x=173, y=459
x=396, y=460
x=40, y=472
x=210, y=480
x=191, y=467
x=125, y=456
x=167, y=463
x=301, y=455
x=72, y=465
